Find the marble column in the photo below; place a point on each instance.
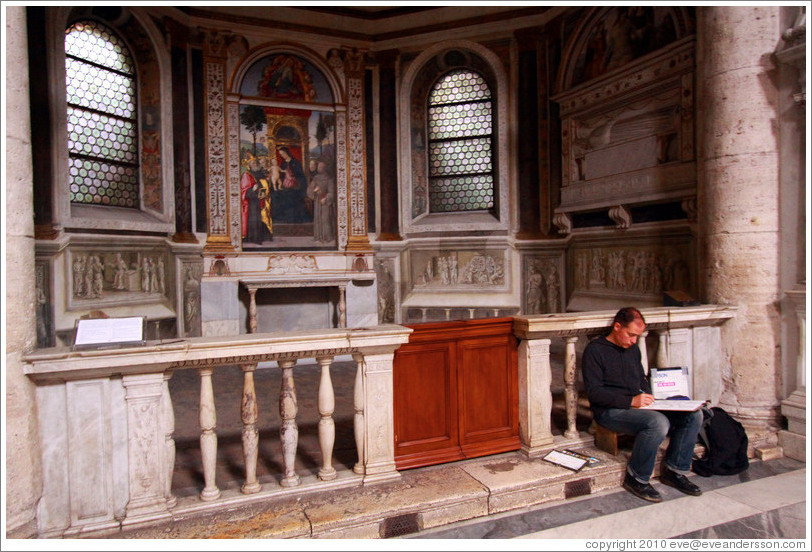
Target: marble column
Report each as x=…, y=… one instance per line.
x=23, y=481
x=738, y=191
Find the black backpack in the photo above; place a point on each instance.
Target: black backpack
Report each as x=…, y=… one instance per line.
x=725, y=443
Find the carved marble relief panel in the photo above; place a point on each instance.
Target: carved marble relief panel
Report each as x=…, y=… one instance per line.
x=643, y=271
x=543, y=291
x=385, y=274
x=458, y=269
x=191, y=274
x=99, y=277
x=45, y=309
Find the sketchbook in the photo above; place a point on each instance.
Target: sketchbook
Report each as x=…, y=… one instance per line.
x=674, y=404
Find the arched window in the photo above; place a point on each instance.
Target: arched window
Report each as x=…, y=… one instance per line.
x=460, y=152
x=102, y=117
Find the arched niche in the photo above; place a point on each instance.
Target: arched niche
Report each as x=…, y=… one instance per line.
x=286, y=100
x=610, y=37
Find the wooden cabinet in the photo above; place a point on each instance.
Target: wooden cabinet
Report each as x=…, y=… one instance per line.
x=456, y=392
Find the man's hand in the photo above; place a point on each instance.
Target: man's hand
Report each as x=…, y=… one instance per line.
x=643, y=399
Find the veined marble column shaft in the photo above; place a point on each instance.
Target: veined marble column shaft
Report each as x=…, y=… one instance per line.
x=738, y=191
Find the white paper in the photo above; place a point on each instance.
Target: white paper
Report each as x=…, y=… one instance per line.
x=565, y=460
x=669, y=383
x=109, y=330
x=664, y=404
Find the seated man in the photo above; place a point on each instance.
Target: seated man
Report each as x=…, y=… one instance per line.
x=617, y=387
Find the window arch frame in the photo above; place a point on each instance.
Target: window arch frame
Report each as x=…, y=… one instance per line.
x=498, y=219
x=93, y=217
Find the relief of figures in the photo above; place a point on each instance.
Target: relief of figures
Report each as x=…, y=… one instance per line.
x=461, y=268
x=191, y=299
x=542, y=286
x=644, y=271
x=386, y=292
x=117, y=275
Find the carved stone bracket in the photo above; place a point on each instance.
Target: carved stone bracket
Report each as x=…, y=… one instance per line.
x=563, y=221
x=622, y=216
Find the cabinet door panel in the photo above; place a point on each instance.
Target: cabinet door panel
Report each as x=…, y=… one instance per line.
x=425, y=399
x=488, y=393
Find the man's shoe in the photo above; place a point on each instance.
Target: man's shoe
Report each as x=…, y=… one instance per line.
x=679, y=482
x=642, y=490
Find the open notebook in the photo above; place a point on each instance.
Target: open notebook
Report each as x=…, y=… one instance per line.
x=671, y=390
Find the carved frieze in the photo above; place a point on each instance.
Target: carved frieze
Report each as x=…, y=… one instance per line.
x=458, y=268
x=644, y=270
x=294, y=263
x=116, y=277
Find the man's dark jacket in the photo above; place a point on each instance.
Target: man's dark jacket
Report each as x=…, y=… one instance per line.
x=612, y=375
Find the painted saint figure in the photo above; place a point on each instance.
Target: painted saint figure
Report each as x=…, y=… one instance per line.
x=322, y=192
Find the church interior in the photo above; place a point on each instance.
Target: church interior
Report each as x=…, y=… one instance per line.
x=350, y=242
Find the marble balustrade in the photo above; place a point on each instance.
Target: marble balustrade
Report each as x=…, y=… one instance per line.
x=686, y=336
x=107, y=420
x=107, y=423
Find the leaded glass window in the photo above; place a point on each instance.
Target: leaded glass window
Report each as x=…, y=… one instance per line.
x=102, y=126
x=460, y=125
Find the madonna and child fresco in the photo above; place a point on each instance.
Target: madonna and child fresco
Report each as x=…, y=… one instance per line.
x=287, y=156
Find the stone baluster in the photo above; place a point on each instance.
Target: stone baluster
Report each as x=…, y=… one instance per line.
x=663, y=358
x=342, y=306
x=252, y=310
x=208, y=437
x=358, y=425
x=250, y=434
x=327, y=428
x=289, y=432
x=570, y=393
x=168, y=414
x=535, y=398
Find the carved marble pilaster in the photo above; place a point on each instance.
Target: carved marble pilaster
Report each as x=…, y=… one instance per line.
x=354, y=65
x=214, y=70
x=379, y=426
x=535, y=398
x=146, y=439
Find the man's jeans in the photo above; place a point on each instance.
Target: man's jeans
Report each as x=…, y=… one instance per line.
x=651, y=427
